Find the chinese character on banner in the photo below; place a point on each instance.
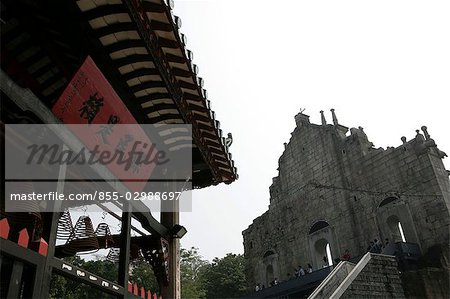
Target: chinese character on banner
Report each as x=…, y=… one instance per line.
x=90, y=100
x=91, y=107
x=107, y=129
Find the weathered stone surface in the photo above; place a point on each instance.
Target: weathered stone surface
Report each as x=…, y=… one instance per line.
x=426, y=283
x=379, y=279
x=338, y=189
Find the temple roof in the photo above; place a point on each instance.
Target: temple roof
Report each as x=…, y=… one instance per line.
x=138, y=47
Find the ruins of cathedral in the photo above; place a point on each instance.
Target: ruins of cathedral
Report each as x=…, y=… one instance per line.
x=335, y=192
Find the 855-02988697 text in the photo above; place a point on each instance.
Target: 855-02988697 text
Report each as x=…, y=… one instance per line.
x=97, y=195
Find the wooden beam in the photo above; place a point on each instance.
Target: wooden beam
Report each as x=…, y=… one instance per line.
x=124, y=255
x=167, y=43
x=21, y=47
x=209, y=135
x=153, y=96
x=187, y=85
x=152, y=7
x=51, y=80
x=104, y=10
x=29, y=19
x=25, y=255
x=192, y=97
x=132, y=59
x=147, y=85
x=197, y=108
x=181, y=73
x=202, y=118
x=114, y=28
x=158, y=107
x=139, y=73
x=56, y=205
x=175, y=58
x=124, y=44
x=164, y=117
x=161, y=26
x=80, y=275
x=170, y=219
x=15, y=280
x=26, y=100
x=205, y=127
x=45, y=68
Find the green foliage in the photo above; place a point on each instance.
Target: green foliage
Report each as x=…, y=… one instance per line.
x=191, y=264
x=225, y=277
x=62, y=287
x=142, y=273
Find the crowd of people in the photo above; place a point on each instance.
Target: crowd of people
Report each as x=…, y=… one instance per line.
x=375, y=246
x=298, y=272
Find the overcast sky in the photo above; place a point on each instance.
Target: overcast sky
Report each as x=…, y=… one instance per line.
x=383, y=65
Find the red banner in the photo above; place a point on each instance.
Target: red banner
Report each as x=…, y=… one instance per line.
x=89, y=99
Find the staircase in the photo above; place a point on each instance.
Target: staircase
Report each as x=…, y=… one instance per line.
x=374, y=276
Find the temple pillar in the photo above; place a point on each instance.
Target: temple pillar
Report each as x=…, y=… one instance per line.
x=169, y=219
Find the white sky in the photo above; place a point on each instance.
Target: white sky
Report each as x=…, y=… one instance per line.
x=383, y=65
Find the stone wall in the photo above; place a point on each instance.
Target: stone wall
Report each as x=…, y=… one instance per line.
x=426, y=283
x=334, y=187
x=378, y=279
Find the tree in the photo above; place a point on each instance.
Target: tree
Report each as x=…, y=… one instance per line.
x=142, y=273
x=62, y=287
x=191, y=265
x=225, y=277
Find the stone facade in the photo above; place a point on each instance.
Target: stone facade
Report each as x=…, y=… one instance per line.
x=426, y=283
x=335, y=188
x=379, y=279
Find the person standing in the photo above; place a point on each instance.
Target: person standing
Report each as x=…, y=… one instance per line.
x=301, y=271
x=371, y=247
x=377, y=246
x=325, y=261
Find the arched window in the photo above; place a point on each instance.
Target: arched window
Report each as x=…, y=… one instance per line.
x=270, y=263
x=396, y=229
x=395, y=221
x=387, y=201
x=322, y=252
x=318, y=226
x=321, y=238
